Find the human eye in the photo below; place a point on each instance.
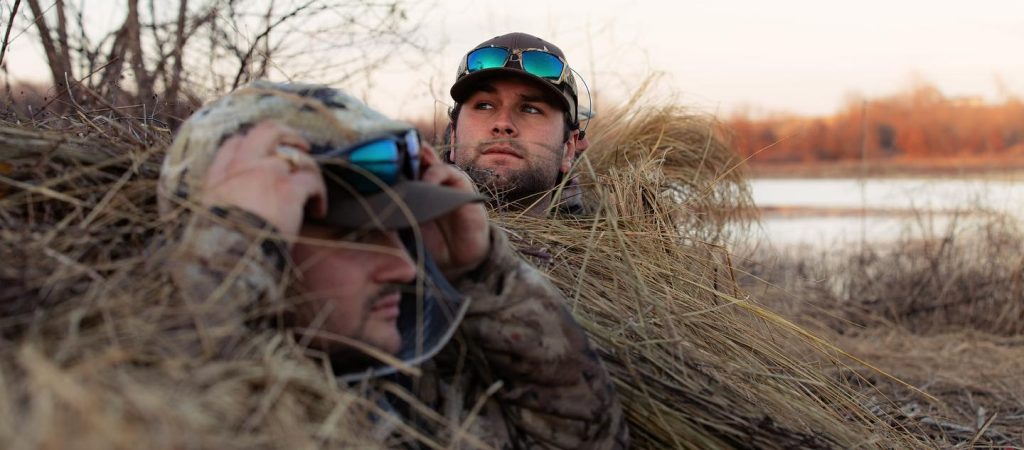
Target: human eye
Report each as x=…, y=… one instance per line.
x=532, y=109
x=483, y=106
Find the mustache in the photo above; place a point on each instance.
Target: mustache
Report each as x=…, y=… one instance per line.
x=513, y=143
x=402, y=289
x=387, y=291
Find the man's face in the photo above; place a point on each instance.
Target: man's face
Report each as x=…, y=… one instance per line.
x=353, y=287
x=509, y=138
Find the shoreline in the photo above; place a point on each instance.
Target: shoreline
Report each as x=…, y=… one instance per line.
x=799, y=212
x=988, y=168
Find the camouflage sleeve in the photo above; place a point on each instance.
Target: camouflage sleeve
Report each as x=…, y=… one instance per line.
x=226, y=263
x=556, y=393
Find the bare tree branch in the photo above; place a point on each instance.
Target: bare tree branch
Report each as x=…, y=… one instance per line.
x=195, y=48
x=134, y=44
x=179, y=45
x=263, y=35
x=110, y=81
x=265, y=62
x=62, y=37
x=7, y=33
x=88, y=55
x=53, y=56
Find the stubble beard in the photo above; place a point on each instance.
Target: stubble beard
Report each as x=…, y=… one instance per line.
x=345, y=357
x=514, y=189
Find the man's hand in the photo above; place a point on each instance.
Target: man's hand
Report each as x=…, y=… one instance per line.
x=267, y=171
x=460, y=240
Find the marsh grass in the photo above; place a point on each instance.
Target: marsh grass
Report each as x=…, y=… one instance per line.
x=97, y=352
x=93, y=350
x=697, y=362
x=940, y=310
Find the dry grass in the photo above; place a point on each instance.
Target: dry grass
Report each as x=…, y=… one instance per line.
x=94, y=353
x=974, y=376
x=686, y=156
x=95, y=350
x=942, y=312
x=698, y=364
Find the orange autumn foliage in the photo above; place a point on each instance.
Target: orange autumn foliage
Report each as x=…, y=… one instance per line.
x=918, y=124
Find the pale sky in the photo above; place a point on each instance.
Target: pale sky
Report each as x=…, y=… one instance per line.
x=801, y=56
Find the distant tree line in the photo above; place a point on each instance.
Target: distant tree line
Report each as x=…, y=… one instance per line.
x=920, y=123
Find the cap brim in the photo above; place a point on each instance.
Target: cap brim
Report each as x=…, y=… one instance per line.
x=401, y=206
x=466, y=86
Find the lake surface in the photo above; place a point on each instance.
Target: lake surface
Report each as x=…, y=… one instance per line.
x=844, y=211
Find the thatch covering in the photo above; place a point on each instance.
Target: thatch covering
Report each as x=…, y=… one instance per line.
x=90, y=354
x=95, y=353
x=698, y=364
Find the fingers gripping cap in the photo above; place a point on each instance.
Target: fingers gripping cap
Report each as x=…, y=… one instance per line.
x=328, y=118
x=565, y=91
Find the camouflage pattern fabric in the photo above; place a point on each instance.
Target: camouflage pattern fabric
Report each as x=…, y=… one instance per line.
x=521, y=374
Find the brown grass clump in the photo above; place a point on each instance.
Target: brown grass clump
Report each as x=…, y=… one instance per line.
x=686, y=156
x=698, y=364
x=942, y=312
x=94, y=353
x=974, y=379
x=968, y=277
x=95, y=350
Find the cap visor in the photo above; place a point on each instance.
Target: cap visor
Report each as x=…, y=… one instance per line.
x=402, y=206
x=466, y=86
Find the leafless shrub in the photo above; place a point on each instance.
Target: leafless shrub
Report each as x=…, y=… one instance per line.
x=968, y=277
x=942, y=313
x=159, y=61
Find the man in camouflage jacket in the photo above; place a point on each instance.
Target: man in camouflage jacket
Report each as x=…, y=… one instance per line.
x=503, y=365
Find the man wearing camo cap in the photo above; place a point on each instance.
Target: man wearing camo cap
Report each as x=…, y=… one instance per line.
x=391, y=251
x=515, y=126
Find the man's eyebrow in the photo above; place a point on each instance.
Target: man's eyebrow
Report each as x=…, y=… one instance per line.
x=486, y=87
x=534, y=98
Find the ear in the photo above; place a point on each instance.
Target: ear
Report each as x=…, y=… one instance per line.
x=569, y=155
x=582, y=143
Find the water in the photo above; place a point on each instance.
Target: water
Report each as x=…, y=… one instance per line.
x=845, y=211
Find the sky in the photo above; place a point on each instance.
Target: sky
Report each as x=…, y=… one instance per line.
x=799, y=56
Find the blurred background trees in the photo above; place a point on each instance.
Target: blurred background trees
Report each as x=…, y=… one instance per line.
x=156, y=61
x=919, y=123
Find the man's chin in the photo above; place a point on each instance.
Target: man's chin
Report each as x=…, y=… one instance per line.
x=501, y=167
x=347, y=359
x=487, y=176
x=383, y=336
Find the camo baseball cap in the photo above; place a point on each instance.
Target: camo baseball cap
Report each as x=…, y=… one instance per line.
x=466, y=82
x=329, y=119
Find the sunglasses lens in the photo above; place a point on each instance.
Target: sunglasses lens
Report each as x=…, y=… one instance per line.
x=412, y=145
x=543, y=64
x=379, y=158
x=486, y=58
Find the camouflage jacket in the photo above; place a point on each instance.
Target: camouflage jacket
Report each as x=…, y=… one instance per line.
x=521, y=372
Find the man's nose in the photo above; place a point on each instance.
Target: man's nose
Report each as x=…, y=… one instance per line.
x=504, y=125
x=395, y=265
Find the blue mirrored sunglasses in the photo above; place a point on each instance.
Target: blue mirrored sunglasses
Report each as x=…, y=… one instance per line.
x=536, y=62
x=389, y=159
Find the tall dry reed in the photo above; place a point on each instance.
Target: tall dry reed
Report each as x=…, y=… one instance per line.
x=698, y=363
x=92, y=351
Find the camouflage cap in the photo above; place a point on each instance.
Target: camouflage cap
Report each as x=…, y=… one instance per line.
x=564, y=92
x=326, y=117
